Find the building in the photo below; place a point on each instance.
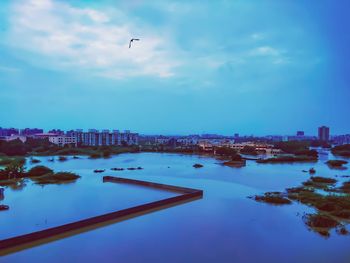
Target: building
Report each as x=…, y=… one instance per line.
x=323, y=133
x=341, y=139
x=62, y=140
x=29, y=131
x=104, y=138
x=57, y=131
x=258, y=146
x=300, y=133
x=14, y=137
x=8, y=131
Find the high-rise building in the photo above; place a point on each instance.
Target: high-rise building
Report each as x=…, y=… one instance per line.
x=323, y=133
x=95, y=138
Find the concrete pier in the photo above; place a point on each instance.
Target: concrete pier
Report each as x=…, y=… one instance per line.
x=14, y=244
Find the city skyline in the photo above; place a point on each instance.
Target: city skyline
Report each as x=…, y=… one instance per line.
x=274, y=69
x=36, y=130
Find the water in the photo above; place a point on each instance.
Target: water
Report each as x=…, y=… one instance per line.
x=224, y=226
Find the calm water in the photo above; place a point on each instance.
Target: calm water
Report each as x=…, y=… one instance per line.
x=224, y=226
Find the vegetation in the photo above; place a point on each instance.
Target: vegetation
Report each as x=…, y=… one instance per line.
x=14, y=173
x=18, y=148
x=320, y=223
x=198, y=165
x=292, y=147
x=42, y=147
x=332, y=206
x=298, y=149
x=62, y=158
x=14, y=169
x=275, y=198
x=56, y=178
x=32, y=161
x=106, y=153
x=250, y=150
x=4, y=207
x=37, y=171
x=342, y=150
x=287, y=159
x=318, y=143
x=117, y=169
x=225, y=151
x=336, y=163
x=5, y=160
x=95, y=156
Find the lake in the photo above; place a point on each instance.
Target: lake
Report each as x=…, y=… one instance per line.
x=224, y=226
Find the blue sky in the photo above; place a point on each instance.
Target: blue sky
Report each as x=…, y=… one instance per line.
x=252, y=67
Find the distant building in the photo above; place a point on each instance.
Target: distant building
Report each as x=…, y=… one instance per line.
x=29, y=131
x=62, y=140
x=42, y=135
x=57, y=131
x=259, y=147
x=341, y=139
x=275, y=138
x=323, y=133
x=104, y=138
x=8, y=131
x=14, y=137
x=300, y=133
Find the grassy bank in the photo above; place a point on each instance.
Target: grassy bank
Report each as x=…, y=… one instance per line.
x=332, y=204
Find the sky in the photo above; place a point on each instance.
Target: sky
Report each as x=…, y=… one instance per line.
x=223, y=66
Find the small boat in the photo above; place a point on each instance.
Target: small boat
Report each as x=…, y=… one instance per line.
x=131, y=168
x=197, y=165
x=98, y=171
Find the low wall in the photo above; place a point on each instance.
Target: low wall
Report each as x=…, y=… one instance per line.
x=187, y=194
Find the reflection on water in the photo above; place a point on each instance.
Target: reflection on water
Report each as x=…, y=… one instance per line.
x=224, y=226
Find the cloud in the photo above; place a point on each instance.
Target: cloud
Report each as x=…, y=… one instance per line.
x=257, y=36
x=276, y=56
x=9, y=69
x=65, y=37
x=265, y=51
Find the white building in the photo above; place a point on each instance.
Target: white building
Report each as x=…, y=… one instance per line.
x=63, y=140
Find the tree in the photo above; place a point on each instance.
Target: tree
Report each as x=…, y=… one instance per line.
x=225, y=151
x=14, y=170
x=249, y=150
x=13, y=148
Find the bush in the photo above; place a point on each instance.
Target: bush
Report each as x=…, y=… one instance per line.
x=225, y=151
x=95, y=155
x=249, y=150
x=319, y=220
x=336, y=163
x=39, y=170
x=275, y=198
x=56, y=178
x=62, y=158
x=197, y=165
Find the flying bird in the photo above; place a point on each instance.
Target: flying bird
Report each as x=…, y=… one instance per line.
x=132, y=40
